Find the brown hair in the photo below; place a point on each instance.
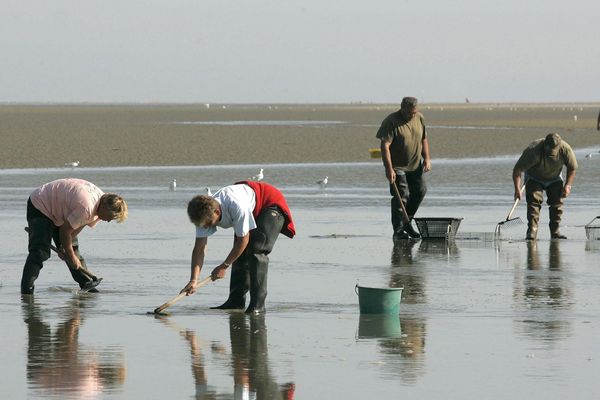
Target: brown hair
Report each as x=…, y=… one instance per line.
x=116, y=205
x=200, y=208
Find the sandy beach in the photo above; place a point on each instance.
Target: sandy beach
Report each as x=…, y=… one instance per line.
x=39, y=136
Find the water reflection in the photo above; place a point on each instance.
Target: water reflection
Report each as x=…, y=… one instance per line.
x=58, y=365
x=401, y=336
x=250, y=367
x=542, y=295
x=438, y=247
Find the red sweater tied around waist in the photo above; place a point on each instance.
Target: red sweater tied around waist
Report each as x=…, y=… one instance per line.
x=267, y=196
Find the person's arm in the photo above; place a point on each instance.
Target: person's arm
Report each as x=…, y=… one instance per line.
x=67, y=233
x=425, y=155
x=516, y=176
x=386, y=157
x=570, y=178
x=239, y=245
x=196, y=266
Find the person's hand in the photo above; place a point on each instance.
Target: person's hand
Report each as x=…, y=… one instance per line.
x=190, y=288
x=566, y=191
x=426, y=165
x=219, y=272
x=518, y=195
x=390, y=174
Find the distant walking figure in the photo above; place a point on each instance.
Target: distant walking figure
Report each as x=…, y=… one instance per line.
x=598, y=123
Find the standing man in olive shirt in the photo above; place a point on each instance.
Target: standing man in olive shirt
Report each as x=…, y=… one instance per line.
x=542, y=163
x=405, y=155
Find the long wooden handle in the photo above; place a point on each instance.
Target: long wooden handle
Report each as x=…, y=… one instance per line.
x=404, y=213
x=512, y=210
x=180, y=296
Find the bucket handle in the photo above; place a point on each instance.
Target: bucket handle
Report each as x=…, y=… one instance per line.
x=356, y=289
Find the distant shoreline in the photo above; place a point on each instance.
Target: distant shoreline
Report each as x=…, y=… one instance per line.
x=107, y=135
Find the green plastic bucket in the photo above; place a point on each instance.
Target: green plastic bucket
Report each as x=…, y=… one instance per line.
x=378, y=300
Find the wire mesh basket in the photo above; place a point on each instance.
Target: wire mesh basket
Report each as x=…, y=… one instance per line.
x=592, y=229
x=438, y=228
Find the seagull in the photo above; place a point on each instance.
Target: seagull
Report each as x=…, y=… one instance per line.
x=72, y=164
x=323, y=182
x=588, y=155
x=173, y=185
x=258, y=177
x=208, y=192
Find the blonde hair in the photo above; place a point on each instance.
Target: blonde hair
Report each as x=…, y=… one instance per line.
x=201, y=208
x=116, y=205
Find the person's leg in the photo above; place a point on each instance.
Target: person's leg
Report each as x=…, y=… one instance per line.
x=396, y=210
x=239, y=283
x=40, y=235
x=262, y=239
x=78, y=276
x=555, y=208
x=417, y=189
x=534, y=193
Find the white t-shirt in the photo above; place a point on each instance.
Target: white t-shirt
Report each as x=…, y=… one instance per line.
x=237, y=203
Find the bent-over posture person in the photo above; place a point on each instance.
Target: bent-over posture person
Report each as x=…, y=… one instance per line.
x=257, y=212
x=542, y=163
x=58, y=211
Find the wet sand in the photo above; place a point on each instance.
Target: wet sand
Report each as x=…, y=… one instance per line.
x=39, y=136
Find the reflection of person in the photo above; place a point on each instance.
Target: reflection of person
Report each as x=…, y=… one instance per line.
x=258, y=212
x=57, y=363
x=250, y=363
x=405, y=155
x=59, y=210
x=542, y=163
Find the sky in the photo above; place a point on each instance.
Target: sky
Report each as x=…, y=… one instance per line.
x=299, y=51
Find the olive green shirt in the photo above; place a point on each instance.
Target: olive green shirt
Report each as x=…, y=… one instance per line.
x=535, y=162
x=406, y=138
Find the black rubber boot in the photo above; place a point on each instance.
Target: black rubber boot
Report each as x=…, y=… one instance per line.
x=258, y=285
x=30, y=273
x=238, y=287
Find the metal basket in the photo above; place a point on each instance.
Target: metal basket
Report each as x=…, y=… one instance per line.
x=438, y=228
x=592, y=229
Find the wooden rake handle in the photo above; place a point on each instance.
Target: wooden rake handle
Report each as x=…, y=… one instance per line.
x=180, y=296
x=512, y=210
x=399, y=198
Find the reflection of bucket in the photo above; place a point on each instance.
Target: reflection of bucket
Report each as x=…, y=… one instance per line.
x=378, y=300
x=379, y=326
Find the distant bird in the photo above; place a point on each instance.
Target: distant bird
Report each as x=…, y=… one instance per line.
x=173, y=185
x=208, y=192
x=323, y=182
x=258, y=177
x=588, y=155
x=72, y=164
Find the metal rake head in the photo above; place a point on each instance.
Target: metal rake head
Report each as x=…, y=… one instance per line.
x=508, y=226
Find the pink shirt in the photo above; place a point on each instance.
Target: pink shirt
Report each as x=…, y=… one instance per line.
x=72, y=200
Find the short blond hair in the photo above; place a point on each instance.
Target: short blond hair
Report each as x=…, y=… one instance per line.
x=116, y=205
x=201, y=208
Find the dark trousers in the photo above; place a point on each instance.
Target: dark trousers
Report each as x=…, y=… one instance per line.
x=534, y=193
x=41, y=233
x=412, y=188
x=249, y=271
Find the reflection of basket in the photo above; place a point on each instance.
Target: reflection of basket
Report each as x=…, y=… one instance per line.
x=438, y=228
x=592, y=229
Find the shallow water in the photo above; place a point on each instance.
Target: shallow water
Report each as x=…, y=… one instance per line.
x=478, y=318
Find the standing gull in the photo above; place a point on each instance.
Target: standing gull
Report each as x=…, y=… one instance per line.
x=323, y=182
x=72, y=164
x=173, y=185
x=258, y=177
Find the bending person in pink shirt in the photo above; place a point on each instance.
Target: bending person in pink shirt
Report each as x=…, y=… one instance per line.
x=58, y=211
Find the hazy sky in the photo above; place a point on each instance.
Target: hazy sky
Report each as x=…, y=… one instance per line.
x=299, y=50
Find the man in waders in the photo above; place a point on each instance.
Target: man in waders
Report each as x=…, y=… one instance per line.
x=405, y=155
x=257, y=212
x=542, y=163
x=59, y=210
